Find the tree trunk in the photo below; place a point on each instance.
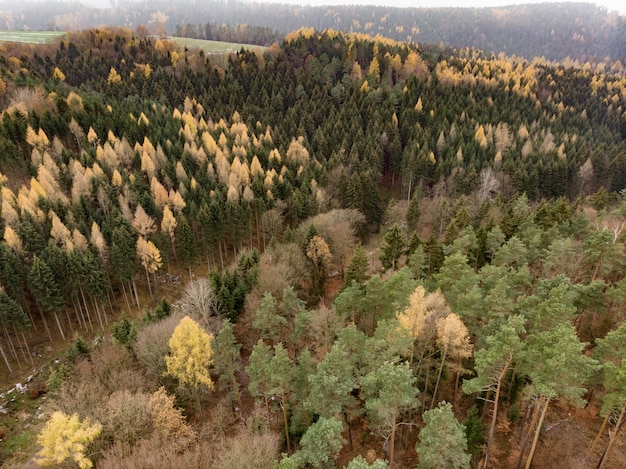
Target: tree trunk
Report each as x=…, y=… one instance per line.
x=6, y=360
x=392, y=448
x=17, y=337
x=45, y=323
x=12, y=349
x=126, y=297
x=32, y=362
x=494, y=417
x=529, y=461
x=443, y=360
x=136, y=294
x=600, y=432
x=56, y=317
x=618, y=425
x=149, y=287
x=69, y=320
x=284, y=406
x=533, y=420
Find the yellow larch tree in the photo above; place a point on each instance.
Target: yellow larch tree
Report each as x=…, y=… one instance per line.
x=66, y=438
x=159, y=193
x=176, y=201
x=453, y=341
x=114, y=77
x=190, y=357
x=143, y=223
x=168, y=225
x=150, y=258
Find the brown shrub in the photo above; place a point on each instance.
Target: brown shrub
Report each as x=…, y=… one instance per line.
x=151, y=346
x=248, y=451
x=156, y=453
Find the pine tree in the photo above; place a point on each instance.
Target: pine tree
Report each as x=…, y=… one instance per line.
x=357, y=268
x=46, y=290
x=226, y=364
x=393, y=247
x=187, y=250
x=388, y=391
x=442, y=441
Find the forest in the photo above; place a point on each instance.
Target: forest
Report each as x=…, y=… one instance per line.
x=581, y=31
x=345, y=251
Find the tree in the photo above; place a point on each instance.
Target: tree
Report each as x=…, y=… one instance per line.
x=453, y=340
x=45, y=287
x=267, y=320
x=66, y=437
x=332, y=385
x=388, y=391
x=150, y=258
x=169, y=224
x=226, y=364
x=319, y=255
x=321, y=443
x=258, y=371
x=190, y=357
x=393, y=247
x=360, y=463
x=442, y=442
x=493, y=363
x=615, y=383
x=187, y=250
x=281, y=382
x=555, y=363
x=357, y=268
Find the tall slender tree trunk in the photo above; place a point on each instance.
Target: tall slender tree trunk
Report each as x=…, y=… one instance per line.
x=94, y=303
x=392, y=447
x=533, y=421
x=56, y=317
x=82, y=294
x=69, y=320
x=149, y=287
x=612, y=438
x=494, y=417
x=125, y=297
x=529, y=461
x=6, y=360
x=17, y=337
x=135, y=290
x=30, y=355
x=443, y=360
x=284, y=406
x=600, y=432
x=45, y=323
x=12, y=350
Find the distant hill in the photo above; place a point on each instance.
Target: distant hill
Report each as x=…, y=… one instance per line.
x=578, y=30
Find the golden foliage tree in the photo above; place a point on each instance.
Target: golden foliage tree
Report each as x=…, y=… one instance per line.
x=66, y=438
x=453, y=340
x=190, y=357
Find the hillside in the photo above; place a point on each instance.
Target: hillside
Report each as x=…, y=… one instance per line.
x=395, y=240
x=555, y=31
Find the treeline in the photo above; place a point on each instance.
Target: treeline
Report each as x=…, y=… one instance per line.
x=581, y=31
x=241, y=33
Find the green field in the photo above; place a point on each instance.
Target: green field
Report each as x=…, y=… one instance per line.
x=30, y=37
x=214, y=47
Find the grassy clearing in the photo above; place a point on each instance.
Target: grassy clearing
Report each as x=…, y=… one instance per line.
x=30, y=37
x=214, y=47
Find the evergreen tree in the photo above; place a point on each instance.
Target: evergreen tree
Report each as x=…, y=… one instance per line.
x=393, y=247
x=442, y=442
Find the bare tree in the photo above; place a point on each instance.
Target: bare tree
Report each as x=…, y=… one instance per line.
x=199, y=302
